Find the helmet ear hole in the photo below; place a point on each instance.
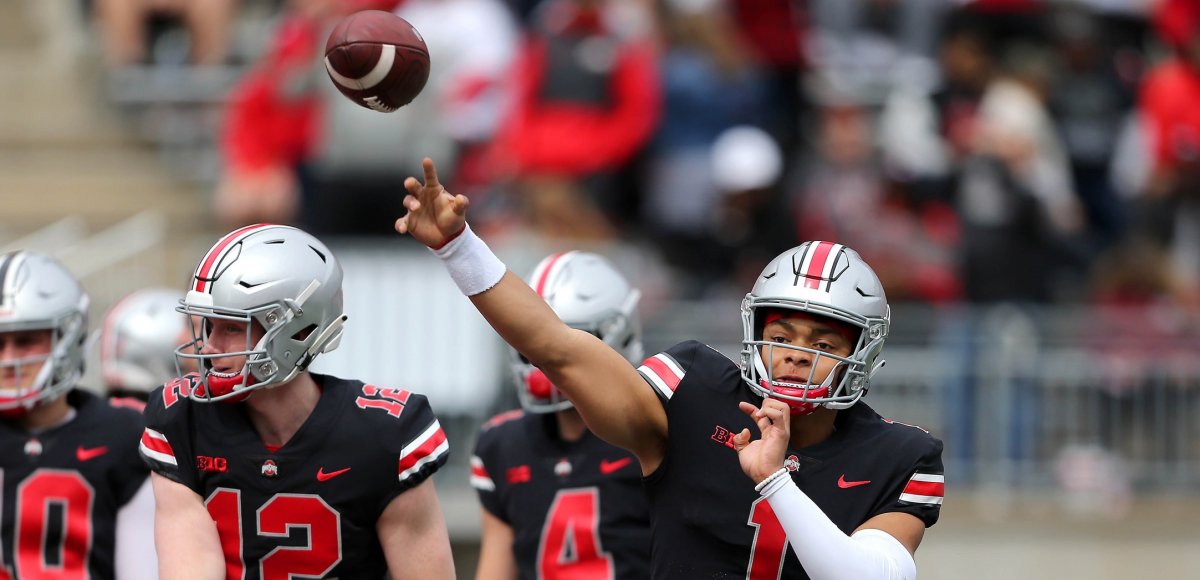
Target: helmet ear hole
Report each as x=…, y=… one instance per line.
x=303, y=333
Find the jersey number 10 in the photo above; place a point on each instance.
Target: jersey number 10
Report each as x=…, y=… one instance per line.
x=35, y=496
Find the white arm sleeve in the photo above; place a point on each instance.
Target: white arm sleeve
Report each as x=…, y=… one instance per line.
x=135, y=558
x=826, y=552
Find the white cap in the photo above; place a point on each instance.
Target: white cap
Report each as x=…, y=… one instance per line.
x=744, y=158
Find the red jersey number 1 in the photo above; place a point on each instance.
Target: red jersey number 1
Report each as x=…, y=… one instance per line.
x=770, y=543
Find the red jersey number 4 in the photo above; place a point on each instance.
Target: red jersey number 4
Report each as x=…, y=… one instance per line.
x=570, y=546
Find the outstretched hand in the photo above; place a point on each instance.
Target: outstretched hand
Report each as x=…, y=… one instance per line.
x=764, y=456
x=434, y=215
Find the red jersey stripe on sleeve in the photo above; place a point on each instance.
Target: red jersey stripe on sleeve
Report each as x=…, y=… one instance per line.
x=154, y=445
x=663, y=373
x=926, y=488
x=479, y=476
x=429, y=446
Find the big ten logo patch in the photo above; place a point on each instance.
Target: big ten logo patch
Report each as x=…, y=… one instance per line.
x=212, y=464
x=723, y=436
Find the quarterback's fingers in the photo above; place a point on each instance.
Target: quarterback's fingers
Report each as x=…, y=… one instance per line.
x=773, y=412
x=431, y=178
x=412, y=185
x=402, y=225
x=411, y=203
x=741, y=440
x=765, y=423
x=775, y=404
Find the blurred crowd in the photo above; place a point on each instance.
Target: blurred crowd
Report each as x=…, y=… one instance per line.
x=986, y=151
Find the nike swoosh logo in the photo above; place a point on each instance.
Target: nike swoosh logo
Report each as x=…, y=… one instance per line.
x=84, y=454
x=322, y=476
x=607, y=467
x=842, y=483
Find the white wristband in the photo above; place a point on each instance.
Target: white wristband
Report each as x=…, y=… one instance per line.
x=471, y=263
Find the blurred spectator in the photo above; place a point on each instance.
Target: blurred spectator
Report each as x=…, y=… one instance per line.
x=709, y=84
x=844, y=195
x=747, y=166
x=125, y=25
x=1167, y=103
x=271, y=122
x=775, y=31
x=587, y=100
x=1090, y=99
x=1015, y=196
x=926, y=131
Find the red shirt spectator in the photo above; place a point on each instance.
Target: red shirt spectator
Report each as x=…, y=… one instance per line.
x=587, y=97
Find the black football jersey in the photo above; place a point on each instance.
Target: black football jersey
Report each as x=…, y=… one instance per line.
x=63, y=488
x=309, y=508
x=577, y=509
x=708, y=520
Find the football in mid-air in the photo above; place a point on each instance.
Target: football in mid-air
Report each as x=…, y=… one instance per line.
x=377, y=60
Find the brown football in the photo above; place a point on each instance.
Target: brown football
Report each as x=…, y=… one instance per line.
x=377, y=60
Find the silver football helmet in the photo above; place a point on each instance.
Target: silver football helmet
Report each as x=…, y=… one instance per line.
x=587, y=293
x=822, y=279
x=138, y=341
x=279, y=277
x=38, y=293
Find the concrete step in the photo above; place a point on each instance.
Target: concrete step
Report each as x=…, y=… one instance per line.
x=105, y=184
x=64, y=149
x=15, y=32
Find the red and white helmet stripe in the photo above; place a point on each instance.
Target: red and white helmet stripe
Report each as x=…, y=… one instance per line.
x=546, y=271
x=204, y=271
x=10, y=263
x=818, y=263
